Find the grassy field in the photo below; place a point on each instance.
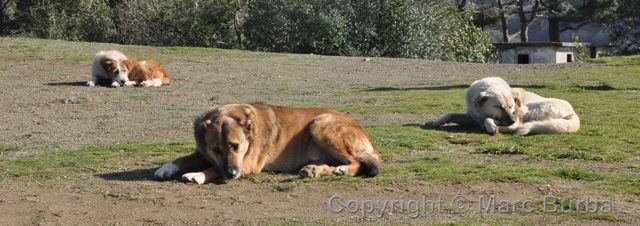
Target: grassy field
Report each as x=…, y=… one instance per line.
x=601, y=160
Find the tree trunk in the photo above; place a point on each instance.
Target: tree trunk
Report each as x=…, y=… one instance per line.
x=2, y=21
x=3, y=5
x=461, y=5
x=524, y=24
x=554, y=29
x=503, y=22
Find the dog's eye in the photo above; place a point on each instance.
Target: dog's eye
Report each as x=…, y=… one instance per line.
x=233, y=146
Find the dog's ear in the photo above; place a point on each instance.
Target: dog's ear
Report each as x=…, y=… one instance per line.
x=199, y=127
x=128, y=64
x=248, y=123
x=517, y=96
x=108, y=64
x=482, y=97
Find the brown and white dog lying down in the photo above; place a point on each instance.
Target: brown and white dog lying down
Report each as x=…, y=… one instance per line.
x=496, y=107
x=239, y=139
x=113, y=68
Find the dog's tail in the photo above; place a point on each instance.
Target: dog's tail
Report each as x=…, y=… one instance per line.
x=165, y=78
x=369, y=164
x=569, y=124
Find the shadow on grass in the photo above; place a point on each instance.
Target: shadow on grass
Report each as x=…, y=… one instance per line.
x=67, y=83
x=144, y=175
x=604, y=87
x=452, y=128
x=447, y=87
x=386, y=89
x=132, y=175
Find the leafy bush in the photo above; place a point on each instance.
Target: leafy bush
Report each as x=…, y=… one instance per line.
x=177, y=23
x=426, y=29
x=395, y=28
x=86, y=20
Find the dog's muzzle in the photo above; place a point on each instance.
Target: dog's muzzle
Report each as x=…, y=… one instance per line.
x=231, y=173
x=507, y=121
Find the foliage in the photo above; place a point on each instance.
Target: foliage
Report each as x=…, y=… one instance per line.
x=625, y=27
x=394, y=28
x=86, y=20
x=397, y=28
x=580, y=46
x=177, y=23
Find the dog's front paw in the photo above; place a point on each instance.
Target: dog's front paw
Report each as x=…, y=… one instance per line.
x=166, y=171
x=435, y=123
x=91, y=83
x=130, y=83
x=490, y=127
x=196, y=177
x=115, y=84
x=523, y=131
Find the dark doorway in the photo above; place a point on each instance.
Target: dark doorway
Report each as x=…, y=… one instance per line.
x=523, y=59
x=569, y=58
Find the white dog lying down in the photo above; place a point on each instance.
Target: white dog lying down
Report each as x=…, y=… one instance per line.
x=496, y=107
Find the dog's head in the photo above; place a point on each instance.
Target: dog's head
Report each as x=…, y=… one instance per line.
x=117, y=70
x=503, y=107
x=224, y=135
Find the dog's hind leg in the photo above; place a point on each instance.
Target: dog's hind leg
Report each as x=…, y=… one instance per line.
x=316, y=170
x=347, y=142
x=457, y=118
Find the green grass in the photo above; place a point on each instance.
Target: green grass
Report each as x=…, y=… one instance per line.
x=500, y=149
x=577, y=174
x=625, y=60
x=62, y=162
x=7, y=148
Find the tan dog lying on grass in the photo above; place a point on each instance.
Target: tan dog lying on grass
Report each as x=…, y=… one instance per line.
x=496, y=107
x=239, y=139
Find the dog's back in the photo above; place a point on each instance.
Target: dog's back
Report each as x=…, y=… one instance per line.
x=145, y=70
x=546, y=115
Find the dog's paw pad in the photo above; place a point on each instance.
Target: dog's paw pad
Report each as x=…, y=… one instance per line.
x=147, y=83
x=197, y=177
x=309, y=171
x=341, y=170
x=166, y=171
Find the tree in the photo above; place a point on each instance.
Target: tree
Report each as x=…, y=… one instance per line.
x=526, y=21
x=3, y=7
x=565, y=15
x=625, y=26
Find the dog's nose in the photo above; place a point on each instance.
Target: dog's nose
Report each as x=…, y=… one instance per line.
x=509, y=121
x=231, y=173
